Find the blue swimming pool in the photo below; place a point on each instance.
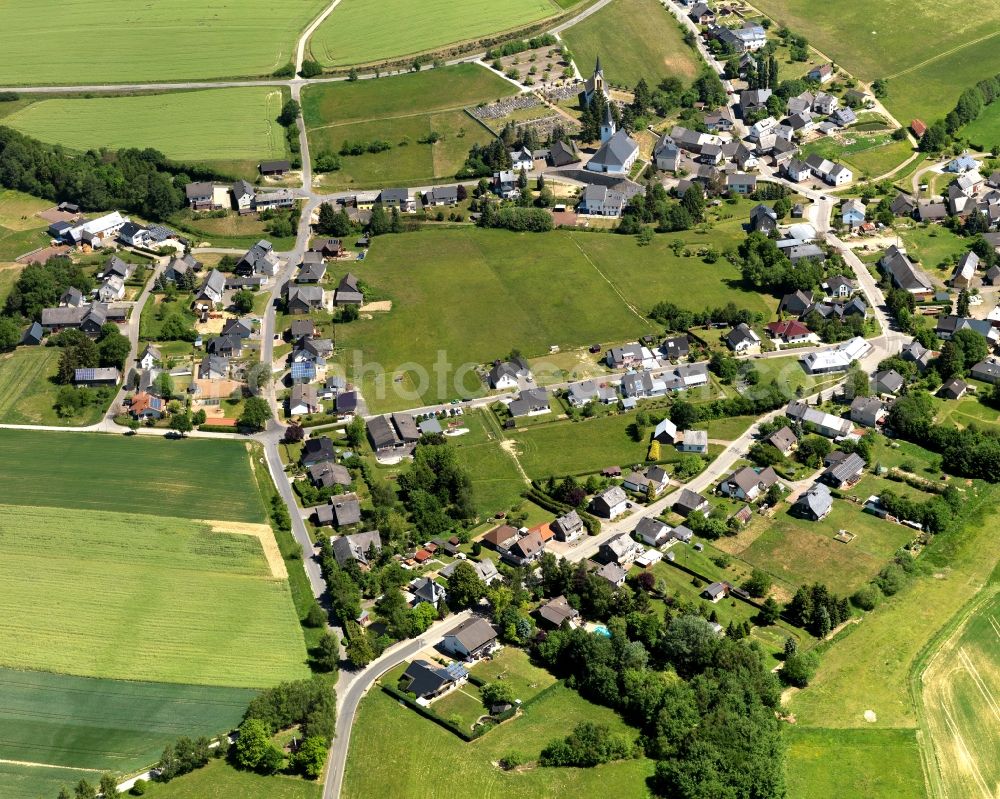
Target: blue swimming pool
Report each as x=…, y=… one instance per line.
x=600, y=629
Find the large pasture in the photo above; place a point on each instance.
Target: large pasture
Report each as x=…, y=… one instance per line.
x=469, y=296
x=82, y=722
x=210, y=125
x=28, y=390
x=128, y=596
x=929, y=52
x=114, y=41
x=385, y=732
x=634, y=39
x=350, y=35
x=403, y=111
x=197, y=479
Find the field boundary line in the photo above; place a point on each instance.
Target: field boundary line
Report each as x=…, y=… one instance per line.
x=426, y=113
x=941, y=55
x=32, y=764
x=614, y=288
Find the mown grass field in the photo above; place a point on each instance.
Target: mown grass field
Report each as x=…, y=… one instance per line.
x=984, y=132
x=8, y=277
x=634, y=39
x=401, y=110
x=853, y=764
x=960, y=684
x=895, y=40
x=496, y=482
x=866, y=155
x=472, y=295
x=20, y=230
x=935, y=247
x=83, y=722
x=384, y=732
x=216, y=124
x=128, y=596
x=198, y=479
x=168, y=40
x=27, y=391
x=404, y=28
x=40, y=782
x=219, y=780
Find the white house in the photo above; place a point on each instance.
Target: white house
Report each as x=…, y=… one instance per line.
x=522, y=159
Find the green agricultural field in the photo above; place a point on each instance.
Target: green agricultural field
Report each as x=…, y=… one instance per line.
x=496, y=482
x=797, y=551
x=19, y=781
x=634, y=39
x=868, y=155
x=348, y=36
x=198, y=479
x=384, y=732
x=220, y=125
x=930, y=52
x=959, y=684
x=219, y=780
x=168, y=40
x=17, y=210
x=127, y=596
x=82, y=722
x=27, y=390
x=551, y=289
x=384, y=110
x=853, y=764
x=984, y=132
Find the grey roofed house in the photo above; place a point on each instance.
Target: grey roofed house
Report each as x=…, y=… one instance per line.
x=607, y=502
x=666, y=153
x=212, y=287
x=327, y=474
x=356, y=546
x=795, y=303
x=763, y=219
x=568, y=526
x=742, y=336
x=348, y=292
x=954, y=389
x=676, y=347
x=783, y=440
x=903, y=272
x=225, y=345
x=525, y=549
x=303, y=396
x=616, y=154
x=508, y=371
x=867, y=411
x=199, y=190
x=96, y=376
x=917, y=353
x=276, y=167
x=798, y=252
x=486, y=569
x=302, y=299
x=563, y=153
x=311, y=272
x=473, y=636
x=241, y=328
x=888, y=381
x=72, y=297
x=839, y=286
x=428, y=680
x=653, y=531
x=903, y=205
x=406, y=426
x=400, y=197
x=346, y=402
x=33, y=335
x=749, y=482
x=345, y=509
x=426, y=590
x=620, y=549
x=843, y=117
x=430, y=426
x=848, y=470
x=588, y=390
x=988, y=371
x=928, y=211
x=613, y=573
x=382, y=434
x=688, y=502
x=316, y=450
x=965, y=270
x=815, y=503
x=827, y=424
x=116, y=266
x=213, y=367
x=444, y=195
x=532, y=400
x=694, y=441
x=317, y=348
x=715, y=591
x=258, y=260
x=557, y=611
x=301, y=328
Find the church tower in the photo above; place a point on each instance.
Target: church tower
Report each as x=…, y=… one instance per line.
x=607, y=124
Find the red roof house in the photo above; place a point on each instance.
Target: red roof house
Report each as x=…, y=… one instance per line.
x=790, y=331
x=918, y=127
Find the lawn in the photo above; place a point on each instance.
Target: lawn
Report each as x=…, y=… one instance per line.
x=219, y=780
x=231, y=230
x=853, y=764
x=168, y=40
x=958, y=685
x=935, y=247
x=634, y=39
x=8, y=277
x=27, y=390
x=538, y=290
x=464, y=706
x=385, y=110
x=17, y=210
x=496, y=482
x=867, y=667
x=984, y=133
x=213, y=125
x=513, y=666
x=798, y=552
x=386, y=733
x=128, y=596
x=119, y=726
x=404, y=28
x=872, y=155
x=198, y=479
x=15, y=243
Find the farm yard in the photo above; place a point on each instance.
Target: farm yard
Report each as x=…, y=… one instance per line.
x=197, y=479
x=236, y=126
x=634, y=39
x=168, y=40
x=385, y=732
x=566, y=289
x=365, y=111
x=928, y=52
x=347, y=36
x=111, y=578
x=959, y=686
x=88, y=723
